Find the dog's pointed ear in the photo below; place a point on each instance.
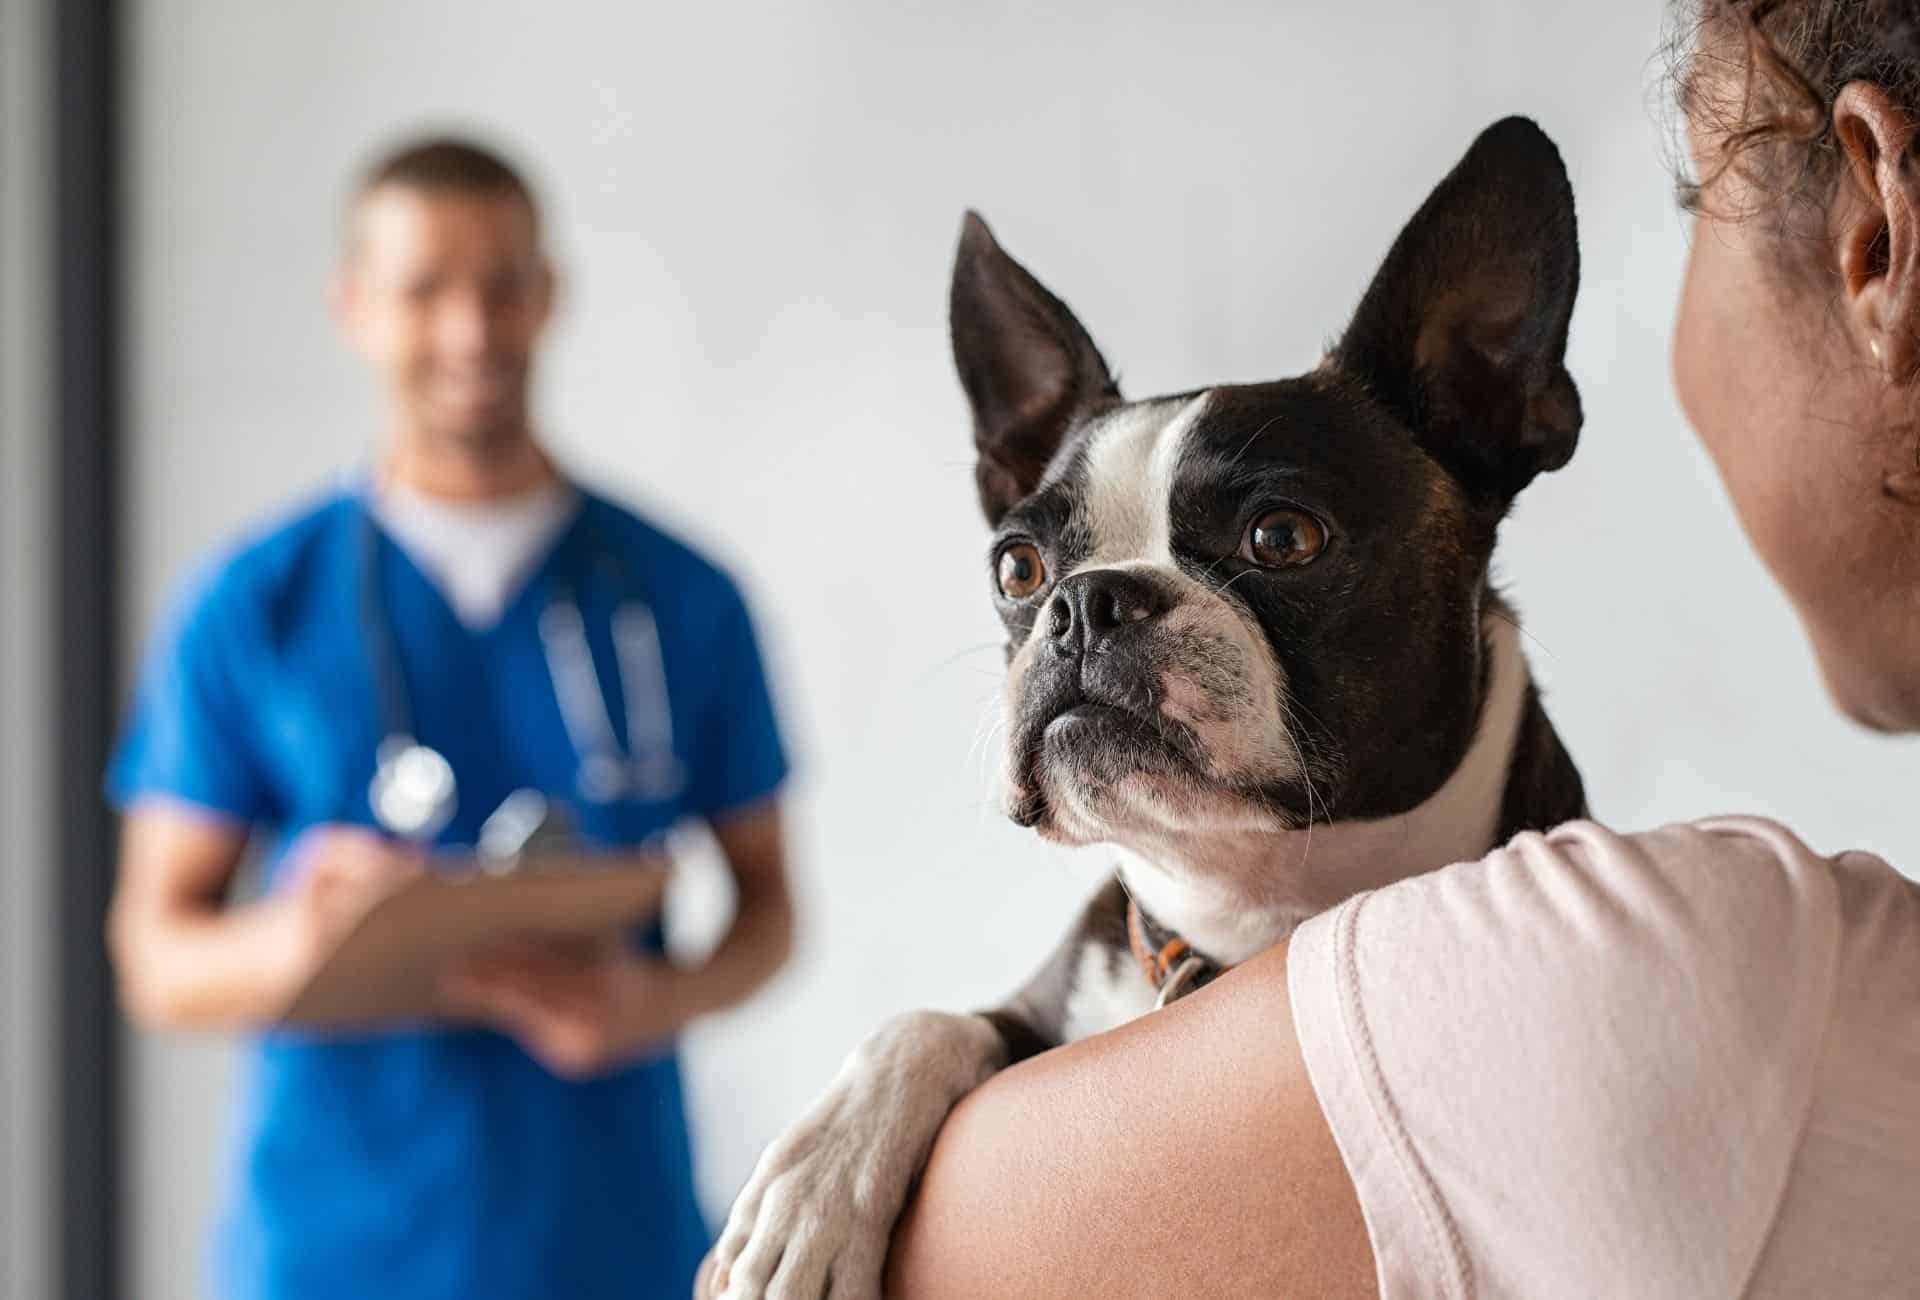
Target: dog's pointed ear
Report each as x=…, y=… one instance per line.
x=1463, y=333
x=1028, y=366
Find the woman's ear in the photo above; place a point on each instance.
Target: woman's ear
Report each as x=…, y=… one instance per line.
x=1879, y=236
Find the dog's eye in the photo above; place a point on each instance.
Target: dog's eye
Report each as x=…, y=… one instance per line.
x=1283, y=539
x=1020, y=571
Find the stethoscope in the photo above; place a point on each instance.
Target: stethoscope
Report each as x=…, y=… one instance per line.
x=414, y=792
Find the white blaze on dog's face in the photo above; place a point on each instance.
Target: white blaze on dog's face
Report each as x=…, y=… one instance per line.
x=1202, y=676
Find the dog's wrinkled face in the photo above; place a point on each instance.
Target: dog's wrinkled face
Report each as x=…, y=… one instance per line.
x=1224, y=607
x=1253, y=608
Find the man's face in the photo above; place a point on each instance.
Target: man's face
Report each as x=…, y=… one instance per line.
x=446, y=293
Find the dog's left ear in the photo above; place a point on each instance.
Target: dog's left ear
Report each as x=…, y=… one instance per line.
x=1463, y=333
x=1028, y=365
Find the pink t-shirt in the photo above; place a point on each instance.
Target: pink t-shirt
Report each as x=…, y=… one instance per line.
x=1681, y=1063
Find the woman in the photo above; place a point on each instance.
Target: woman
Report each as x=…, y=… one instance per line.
x=1677, y=1063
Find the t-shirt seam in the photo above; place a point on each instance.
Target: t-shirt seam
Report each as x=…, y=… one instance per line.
x=1832, y=980
x=260, y=803
x=145, y=791
x=1443, y=1234
x=760, y=791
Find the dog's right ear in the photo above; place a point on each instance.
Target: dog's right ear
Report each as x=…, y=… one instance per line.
x=1028, y=366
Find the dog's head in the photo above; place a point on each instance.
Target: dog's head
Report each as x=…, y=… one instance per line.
x=1257, y=607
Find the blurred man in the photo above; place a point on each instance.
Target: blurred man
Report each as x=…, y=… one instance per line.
x=371, y=676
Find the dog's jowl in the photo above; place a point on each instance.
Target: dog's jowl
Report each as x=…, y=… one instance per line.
x=1252, y=644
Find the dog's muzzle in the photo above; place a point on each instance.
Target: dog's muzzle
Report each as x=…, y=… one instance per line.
x=1089, y=699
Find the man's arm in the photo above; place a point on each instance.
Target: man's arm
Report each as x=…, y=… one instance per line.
x=1184, y=1153
x=760, y=939
x=186, y=960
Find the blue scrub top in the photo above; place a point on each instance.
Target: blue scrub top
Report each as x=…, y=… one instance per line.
x=434, y=1163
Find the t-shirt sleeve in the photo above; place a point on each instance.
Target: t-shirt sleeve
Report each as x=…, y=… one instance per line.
x=738, y=756
x=189, y=734
x=1578, y=1066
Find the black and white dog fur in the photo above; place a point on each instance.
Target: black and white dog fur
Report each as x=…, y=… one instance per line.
x=1252, y=644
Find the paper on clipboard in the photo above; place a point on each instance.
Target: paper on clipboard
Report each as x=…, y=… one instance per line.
x=385, y=970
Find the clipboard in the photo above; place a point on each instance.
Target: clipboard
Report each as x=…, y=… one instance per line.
x=384, y=970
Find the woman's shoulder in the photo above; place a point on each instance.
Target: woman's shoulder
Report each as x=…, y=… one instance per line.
x=1732, y=883
x=1608, y=1041
x=1724, y=841
x=1691, y=877
x=1589, y=880
x=1727, y=924
x=1733, y=922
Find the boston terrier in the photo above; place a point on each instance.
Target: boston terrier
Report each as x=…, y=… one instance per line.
x=1252, y=644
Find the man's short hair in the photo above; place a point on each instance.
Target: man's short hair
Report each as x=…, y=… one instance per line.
x=443, y=164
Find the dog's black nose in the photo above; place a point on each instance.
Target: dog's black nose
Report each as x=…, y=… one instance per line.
x=1091, y=607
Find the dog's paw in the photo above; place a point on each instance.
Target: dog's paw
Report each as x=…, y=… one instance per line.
x=814, y=1220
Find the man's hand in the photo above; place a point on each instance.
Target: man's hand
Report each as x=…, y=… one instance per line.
x=187, y=960
x=582, y=1011
x=338, y=874
x=579, y=1010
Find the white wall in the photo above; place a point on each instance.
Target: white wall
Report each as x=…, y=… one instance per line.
x=756, y=207
x=27, y=1244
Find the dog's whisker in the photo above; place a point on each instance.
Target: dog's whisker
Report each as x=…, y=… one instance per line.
x=983, y=734
x=1517, y=626
x=1208, y=571
x=1294, y=733
x=1332, y=751
x=955, y=658
x=1255, y=437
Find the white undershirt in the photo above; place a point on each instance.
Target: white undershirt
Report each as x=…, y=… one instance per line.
x=477, y=553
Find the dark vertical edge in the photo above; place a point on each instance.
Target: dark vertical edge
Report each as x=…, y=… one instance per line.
x=85, y=565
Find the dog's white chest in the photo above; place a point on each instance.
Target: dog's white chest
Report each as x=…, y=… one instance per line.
x=1108, y=990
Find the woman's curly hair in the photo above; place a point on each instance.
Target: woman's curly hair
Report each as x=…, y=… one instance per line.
x=1761, y=76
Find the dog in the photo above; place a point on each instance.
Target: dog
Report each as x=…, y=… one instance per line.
x=1252, y=643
